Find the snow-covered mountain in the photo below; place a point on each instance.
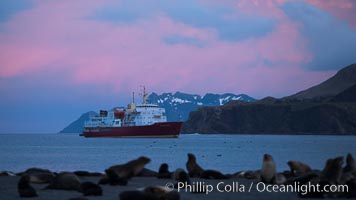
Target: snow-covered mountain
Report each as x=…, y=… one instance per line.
x=179, y=105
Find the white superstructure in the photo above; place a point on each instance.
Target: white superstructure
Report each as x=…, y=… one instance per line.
x=134, y=115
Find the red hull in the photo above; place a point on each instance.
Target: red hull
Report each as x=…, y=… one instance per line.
x=164, y=129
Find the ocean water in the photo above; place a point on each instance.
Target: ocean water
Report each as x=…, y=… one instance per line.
x=227, y=153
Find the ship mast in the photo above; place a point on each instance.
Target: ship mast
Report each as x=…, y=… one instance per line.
x=144, y=95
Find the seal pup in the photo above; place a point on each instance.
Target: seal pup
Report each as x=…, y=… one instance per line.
x=90, y=189
x=24, y=188
x=298, y=168
x=193, y=168
x=131, y=168
x=163, y=172
x=333, y=170
x=268, y=171
x=65, y=181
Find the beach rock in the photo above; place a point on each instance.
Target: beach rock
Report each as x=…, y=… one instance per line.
x=38, y=175
x=194, y=169
x=65, y=181
x=131, y=168
x=90, y=189
x=24, y=188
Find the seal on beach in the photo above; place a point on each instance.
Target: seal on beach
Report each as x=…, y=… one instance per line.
x=113, y=178
x=162, y=193
x=298, y=168
x=350, y=164
x=163, y=171
x=212, y=174
x=332, y=171
x=131, y=168
x=86, y=173
x=180, y=176
x=65, y=181
x=24, y=188
x=38, y=175
x=147, y=173
x=193, y=168
x=268, y=171
x=90, y=189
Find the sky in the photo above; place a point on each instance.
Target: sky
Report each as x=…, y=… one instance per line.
x=61, y=58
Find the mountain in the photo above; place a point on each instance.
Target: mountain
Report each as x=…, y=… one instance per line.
x=77, y=125
x=177, y=105
x=343, y=79
x=328, y=108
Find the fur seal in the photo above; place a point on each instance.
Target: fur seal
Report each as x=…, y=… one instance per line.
x=180, y=176
x=7, y=173
x=86, y=173
x=268, y=172
x=193, y=168
x=147, y=173
x=65, y=181
x=212, y=174
x=24, y=188
x=350, y=164
x=90, y=189
x=298, y=168
x=131, y=168
x=255, y=175
x=333, y=170
x=38, y=175
x=112, y=178
x=163, y=171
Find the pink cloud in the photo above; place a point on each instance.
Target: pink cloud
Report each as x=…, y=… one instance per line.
x=123, y=56
x=343, y=9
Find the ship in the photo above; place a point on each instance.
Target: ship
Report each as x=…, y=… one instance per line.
x=141, y=120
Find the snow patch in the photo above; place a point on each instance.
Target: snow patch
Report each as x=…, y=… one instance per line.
x=178, y=100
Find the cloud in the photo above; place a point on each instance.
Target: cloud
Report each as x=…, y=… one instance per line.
x=331, y=42
x=343, y=9
x=8, y=8
x=230, y=24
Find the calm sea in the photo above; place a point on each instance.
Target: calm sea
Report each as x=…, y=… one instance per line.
x=227, y=153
